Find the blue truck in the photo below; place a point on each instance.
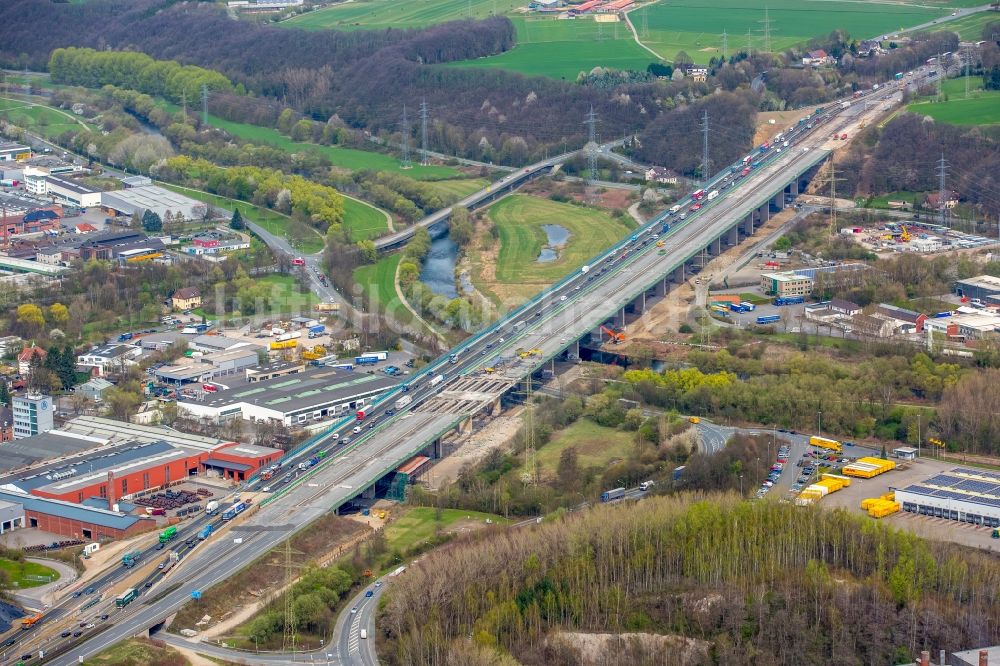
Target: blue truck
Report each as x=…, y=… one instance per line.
x=610, y=495
x=769, y=319
x=365, y=360
x=234, y=511
x=317, y=330
x=206, y=531
x=789, y=300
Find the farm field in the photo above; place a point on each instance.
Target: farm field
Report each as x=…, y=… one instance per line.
x=696, y=27
x=418, y=524
x=562, y=49
x=345, y=158
x=520, y=218
x=378, y=281
x=982, y=107
x=381, y=14
x=270, y=220
x=595, y=445
x=970, y=28
x=46, y=121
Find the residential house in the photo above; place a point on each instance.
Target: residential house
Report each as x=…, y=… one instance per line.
x=186, y=298
x=9, y=343
x=661, y=175
x=94, y=389
x=869, y=48
x=906, y=321
x=934, y=200
x=108, y=359
x=870, y=327
x=24, y=358
x=818, y=58
x=85, y=228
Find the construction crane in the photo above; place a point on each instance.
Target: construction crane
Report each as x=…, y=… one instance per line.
x=905, y=236
x=616, y=336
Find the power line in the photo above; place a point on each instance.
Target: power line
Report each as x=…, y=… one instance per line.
x=942, y=175
x=833, y=196
x=404, y=130
x=725, y=45
x=645, y=25
x=704, y=149
x=766, y=21
x=591, y=123
x=425, y=158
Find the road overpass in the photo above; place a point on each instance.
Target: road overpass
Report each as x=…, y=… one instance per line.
x=448, y=392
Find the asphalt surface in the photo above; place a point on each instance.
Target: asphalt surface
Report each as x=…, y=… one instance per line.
x=551, y=321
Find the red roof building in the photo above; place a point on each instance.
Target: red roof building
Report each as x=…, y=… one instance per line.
x=240, y=461
x=24, y=358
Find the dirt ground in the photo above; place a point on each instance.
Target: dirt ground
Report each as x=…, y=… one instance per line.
x=782, y=121
x=924, y=526
x=497, y=433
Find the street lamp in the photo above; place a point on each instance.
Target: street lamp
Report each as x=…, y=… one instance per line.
x=741, y=485
x=819, y=423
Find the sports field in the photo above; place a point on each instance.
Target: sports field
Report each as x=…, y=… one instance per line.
x=381, y=14
x=345, y=158
x=378, y=281
x=561, y=49
x=520, y=218
x=696, y=26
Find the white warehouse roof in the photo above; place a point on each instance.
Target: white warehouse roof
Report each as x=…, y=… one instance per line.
x=152, y=197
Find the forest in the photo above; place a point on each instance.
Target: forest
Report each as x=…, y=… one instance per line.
x=733, y=582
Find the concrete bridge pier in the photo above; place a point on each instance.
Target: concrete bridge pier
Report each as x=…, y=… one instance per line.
x=678, y=275
x=793, y=188
x=661, y=287
x=748, y=224
x=639, y=304
x=369, y=492
x=779, y=200
x=620, y=318
x=734, y=236
x=496, y=409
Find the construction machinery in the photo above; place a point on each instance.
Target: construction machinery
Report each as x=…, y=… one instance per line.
x=905, y=235
x=317, y=352
x=614, y=335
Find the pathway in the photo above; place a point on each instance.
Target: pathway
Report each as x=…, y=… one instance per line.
x=46, y=106
x=408, y=306
x=635, y=34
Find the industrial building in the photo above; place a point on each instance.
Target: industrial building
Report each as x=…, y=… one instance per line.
x=137, y=200
x=108, y=359
x=76, y=521
x=313, y=395
x=53, y=445
x=33, y=414
x=11, y=516
x=964, y=494
x=71, y=192
x=239, y=462
x=787, y=283
x=11, y=152
x=985, y=288
x=209, y=366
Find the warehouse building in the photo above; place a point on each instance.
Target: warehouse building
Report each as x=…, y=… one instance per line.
x=985, y=288
x=72, y=192
x=787, y=283
x=76, y=521
x=137, y=200
x=11, y=152
x=963, y=494
x=314, y=395
x=239, y=462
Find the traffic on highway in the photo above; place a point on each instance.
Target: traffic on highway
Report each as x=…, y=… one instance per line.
x=362, y=432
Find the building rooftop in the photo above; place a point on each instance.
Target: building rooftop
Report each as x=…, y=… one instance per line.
x=98, y=384
x=181, y=373
x=120, y=431
x=248, y=450
x=12, y=145
x=109, y=351
x=982, y=281
x=21, y=453
x=217, y=342
x=230, y=354
x=962, y=483
x=899, y=313
x=298, y=391
x=151, y=196
x=83, y=514
x=71, y=185
x=187, y=292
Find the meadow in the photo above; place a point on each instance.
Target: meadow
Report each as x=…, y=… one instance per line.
x=561, y=49
x=378, y=281
x=44, y=120
x=596, y=446
x=520, y=218
x=696, y=26
x=456, y=188
x=982, y=107
x=418, y=524
x=381, y=14
x=970, y=28
x=362, y=220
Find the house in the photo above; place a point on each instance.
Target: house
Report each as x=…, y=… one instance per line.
x=840, y=306
x=698, y=74
x=934, y=200
x=94, y=389
x=661, y=175
x=24, y=359
x=869, y=326
x=85, y=228
x=186, y=298
x=6, y=424
x=906, y=321
x=9, y=343
x=818, y=58
x=544, y=5
x=107, y=359
x=869, y=48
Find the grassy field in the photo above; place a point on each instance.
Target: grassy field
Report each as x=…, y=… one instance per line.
x=696, y=27
x=16, y=572
x=136, y=651
x=970, y=28
x=381, y=14
x=363, y=221
x=285, y=296
x=901, y=195
x=378, y=280
x=981, y=107
x=457, y=188
x=595, y=445
x=271, y=221
x=345, y=158
x=418, y=524
x=562, y=49
x=520, y=219
x=46, y=121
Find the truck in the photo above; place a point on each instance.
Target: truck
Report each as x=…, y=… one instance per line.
x=646, y=485
x=316, y=331
x=361, y=414
x=168, y=534
x=697, y=195
x=584, y=269
x=125, y=337
x=126, y=597
x=212, y=508
x=899, y=76
x=129, y=559
x=283, y=344
x=609, y=495
x=789, y=300
x=517, y=327
x=748, y=307
x=713, y=194
x=403, y=402
x=380, y=355
x=206, y=531
x=365, y=360
x=290, y=335
x=675, y=209
x=9, y=182
x=768, y=319
x=437, y=380
x=234, y=510
x=825, y=443
x=737, y=307
x=845, y=105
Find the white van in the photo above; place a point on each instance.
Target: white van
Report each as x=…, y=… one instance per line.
x=364, y=633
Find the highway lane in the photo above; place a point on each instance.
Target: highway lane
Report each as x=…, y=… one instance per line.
x=570, y=308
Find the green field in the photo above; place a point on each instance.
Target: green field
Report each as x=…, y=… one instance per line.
x=520, y=218
x=418, y=524
x=345, y=158
x=562, y=49
x=16, y=572
x=270, y=220
x=595, y=445
x=696, y=27
x=46, y=121
x=362, y=220
x=970, y=28
x=382, y=14
x=457, y=188
x=285, y=296
x=378, y=281
x=982, y=107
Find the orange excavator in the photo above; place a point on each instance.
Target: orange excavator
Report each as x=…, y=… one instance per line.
x=616, y=336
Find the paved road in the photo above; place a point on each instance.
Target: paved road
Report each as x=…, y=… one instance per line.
x=939, y=23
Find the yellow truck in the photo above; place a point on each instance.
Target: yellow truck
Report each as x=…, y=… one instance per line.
x=284, y=344
x=824, y=443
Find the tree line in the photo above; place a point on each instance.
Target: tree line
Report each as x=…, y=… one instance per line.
x=748, y=582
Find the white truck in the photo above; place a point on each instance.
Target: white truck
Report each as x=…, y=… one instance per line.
x=674, y=209
x=380, y=355
x=585, y=269
x=212, y=508
x=713, y=194
x=403, y=402
x=437, y=380
x=517, y=327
